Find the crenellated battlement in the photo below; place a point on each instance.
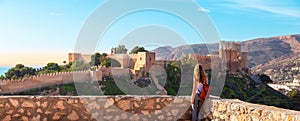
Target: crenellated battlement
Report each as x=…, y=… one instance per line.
x=36, y=81
x=47, y=75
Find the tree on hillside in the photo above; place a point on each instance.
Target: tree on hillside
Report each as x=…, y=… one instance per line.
x=80, y=65
x=265, y=78
x=95, y=59
x=51, y=68
x=103, y=58
x=104, y=55
x=2, y=77
x=137, y=49
x=65, y=67
x=110, y=62
x=295, y=96
x=69, y=65
x=173, y=79
x=121, y=49
x=188, y=60
x=293, y=93
x=19, y=71
x=19, y=66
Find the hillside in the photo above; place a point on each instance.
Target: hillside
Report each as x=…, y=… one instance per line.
x=277, y=58
x=260, y=51
x=244, y=88
x=263, y=50
x=280, y=69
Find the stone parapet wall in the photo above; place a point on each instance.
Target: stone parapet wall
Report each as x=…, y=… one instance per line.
x=134, y=108
x=236, y=110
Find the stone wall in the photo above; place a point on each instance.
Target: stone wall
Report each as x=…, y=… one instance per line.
x=38, y=81
x=236, y=110
x=137, y=108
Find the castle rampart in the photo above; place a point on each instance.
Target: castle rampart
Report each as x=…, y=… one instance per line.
x=37, y=81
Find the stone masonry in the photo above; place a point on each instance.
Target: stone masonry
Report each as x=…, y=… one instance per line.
x=134, y=108
x=44, y=80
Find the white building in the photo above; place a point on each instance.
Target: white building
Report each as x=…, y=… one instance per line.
x=295, y=68
x=296, y=80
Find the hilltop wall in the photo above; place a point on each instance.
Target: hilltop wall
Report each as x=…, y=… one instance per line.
x=146, y=108
x=19, y=85
x=50, y=79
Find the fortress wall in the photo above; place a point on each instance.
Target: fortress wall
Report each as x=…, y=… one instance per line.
x=230, y=45
x=234, y=66
x=38, y=81
x=120, y=71
x=4, y=82
x=244, y=59
x=231, y=55
x=106, y=71
x=134, y=108
x=209, y=61
x=124, y=59
x=96, y=75
x=206, y=63
x=164, y=63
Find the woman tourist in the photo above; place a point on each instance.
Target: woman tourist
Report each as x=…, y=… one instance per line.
x=200, y=89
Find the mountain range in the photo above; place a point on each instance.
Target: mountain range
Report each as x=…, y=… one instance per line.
x=261, y=51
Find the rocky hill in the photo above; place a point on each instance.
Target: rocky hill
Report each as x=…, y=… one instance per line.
x=275, y=56
x=169, y=53
x=243, y=87
x=260, y=51
x=263, y=50
x=280, y=69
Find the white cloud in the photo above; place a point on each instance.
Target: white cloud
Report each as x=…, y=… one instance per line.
x=203, y=10
x=281, y=8
x=278, y=10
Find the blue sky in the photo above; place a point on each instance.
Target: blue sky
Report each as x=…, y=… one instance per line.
x=247, y=19
x=35, y=32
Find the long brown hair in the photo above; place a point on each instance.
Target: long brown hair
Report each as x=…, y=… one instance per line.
x=199, y=73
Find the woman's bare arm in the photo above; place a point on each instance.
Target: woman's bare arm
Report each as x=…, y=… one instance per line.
x=194, y=90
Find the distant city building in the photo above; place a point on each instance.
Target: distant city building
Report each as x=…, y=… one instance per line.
x=295, y=68
x=296, y=79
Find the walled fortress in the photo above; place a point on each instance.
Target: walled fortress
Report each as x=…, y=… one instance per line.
x=229, y=57
x=133, y=108
x=51, y=79
x=229, y=54
x=43, y=80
